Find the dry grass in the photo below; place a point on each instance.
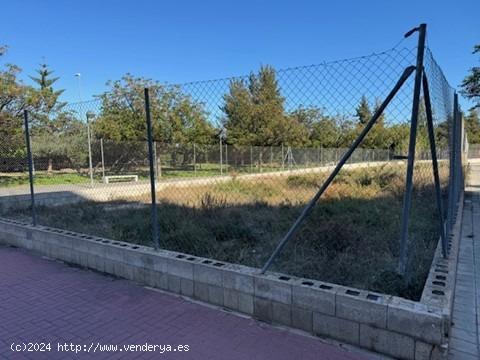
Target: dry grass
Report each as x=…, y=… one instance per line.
x=350, y=238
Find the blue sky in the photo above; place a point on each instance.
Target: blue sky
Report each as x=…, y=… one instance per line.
x=178, y=41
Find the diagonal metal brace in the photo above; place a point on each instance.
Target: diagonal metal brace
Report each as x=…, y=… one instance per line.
x=308, y=208
x=433, y=150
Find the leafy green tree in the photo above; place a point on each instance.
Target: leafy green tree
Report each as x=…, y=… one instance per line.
x=15, y=97
x=176, y=117
x=471, y=83
x=324, y=130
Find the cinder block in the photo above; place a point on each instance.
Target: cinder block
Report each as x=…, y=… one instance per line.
x=215, y=295
x=313, y=298
x=79, y=244
x=174, y=284
x=387, y=342
x=362, y=307
x=138, y=273
x=109, y=266
x=39, y=246
x=65, y=254
x=38, y=235
x=180, y=268
x=208, y=274
x=128, y=271
x=230, y=299
x=160, y=263
x=200, y=291
x=161, y=280
x=282, y=313
x=263, y=309
x=186, y=287
x=156, y=279
x=148, y=258
x=415, y=319
x=98, y=262
x=133, y=257
x=91, y=261
x=58, y=239
x=95, y=247
x=83, y=258
x=340, y=329
x=114, y=253
x=423, y=351
x=150, y=278
x=239, y=278
x=121, y=270
x=245, y=303
x=270, y=287
x=302, y=319
x=76, y=255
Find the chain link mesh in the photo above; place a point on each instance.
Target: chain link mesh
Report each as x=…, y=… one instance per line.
x=233, y=194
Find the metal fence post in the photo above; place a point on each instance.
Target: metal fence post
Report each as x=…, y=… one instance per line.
x=458, y=160
x=89, y=138
x=155, y=232
x=155, y=159
x=226, y=158
x=194, y=160
x=407, y=200
x=452, y=167
x=103, y=160
x=251, y=159
x=283, y=158
x=221, y=156
x=30, y=167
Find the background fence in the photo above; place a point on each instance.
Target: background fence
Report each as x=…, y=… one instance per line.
x=235, y=161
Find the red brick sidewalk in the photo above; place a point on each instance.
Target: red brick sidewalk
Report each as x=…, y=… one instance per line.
x=46, y=301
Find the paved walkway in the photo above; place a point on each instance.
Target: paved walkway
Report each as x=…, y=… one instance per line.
x=50, y=302
x=465, y=335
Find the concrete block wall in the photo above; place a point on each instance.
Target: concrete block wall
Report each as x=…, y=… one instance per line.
x=386, y=324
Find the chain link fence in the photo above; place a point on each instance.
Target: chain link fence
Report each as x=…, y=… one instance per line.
x=235, y=161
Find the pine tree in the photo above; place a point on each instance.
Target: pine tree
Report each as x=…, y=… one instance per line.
x=49, y=121
x=364, y=113
x=254, y=110
x=49, y=96
x=381, y=120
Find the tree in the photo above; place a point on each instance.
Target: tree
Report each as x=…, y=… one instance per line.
x=15, y=97
x=49, y=96
x=378, y=136
x=472, y=126
x=300, y=126
x=471, y=83
x=50, y=121
x=254, y=111
x=323, y=130
x=239, y=109
x=176, y=117
x=363, y=111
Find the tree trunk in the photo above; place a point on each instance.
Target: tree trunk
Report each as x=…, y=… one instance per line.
x=50, y=166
